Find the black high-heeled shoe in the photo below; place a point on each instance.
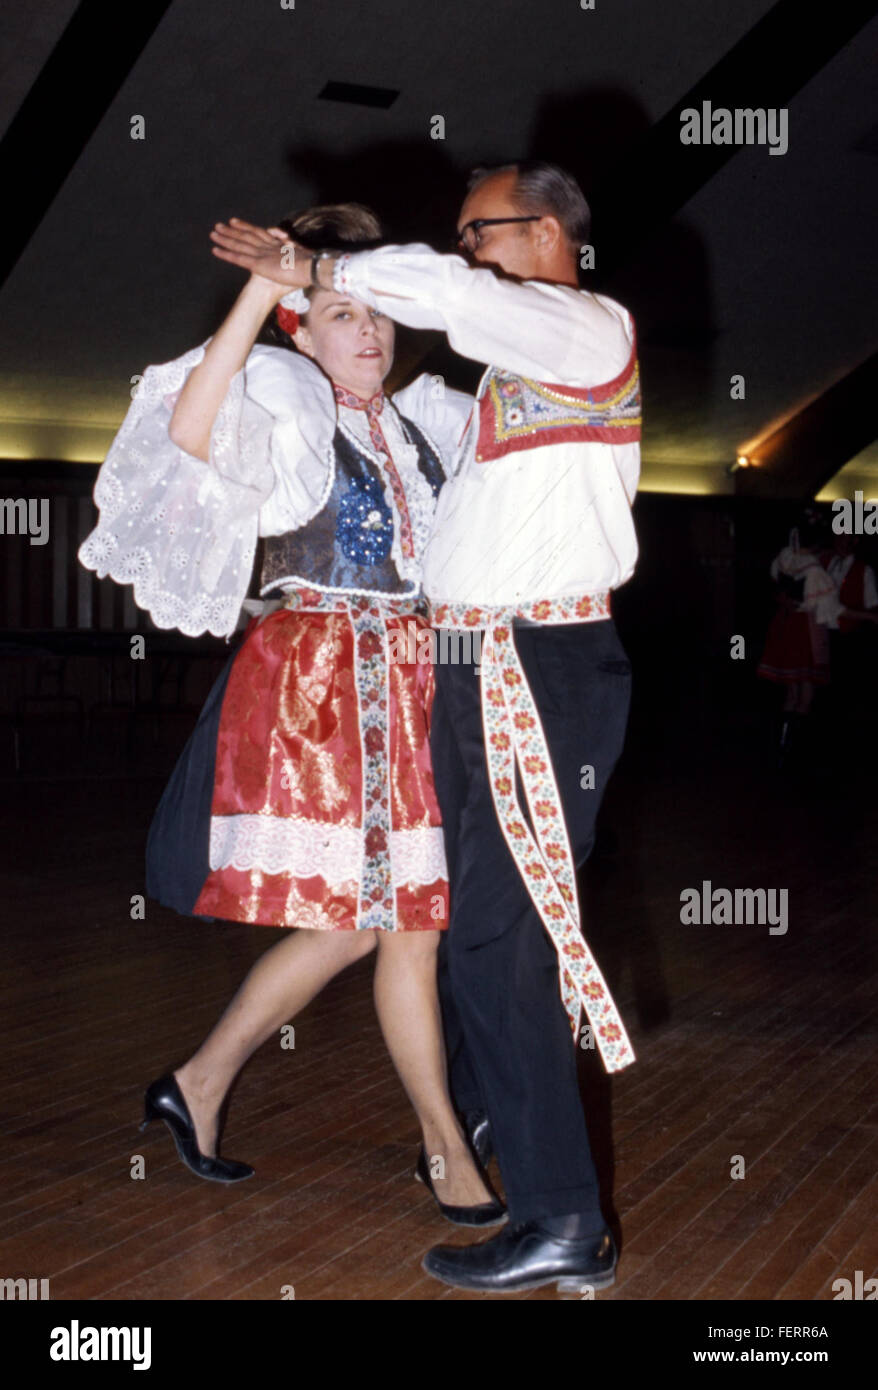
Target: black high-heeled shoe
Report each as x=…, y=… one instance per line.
x=491, y=1213
x=165, y=1101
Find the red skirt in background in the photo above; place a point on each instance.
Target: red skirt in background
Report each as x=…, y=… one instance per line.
x=796, y=649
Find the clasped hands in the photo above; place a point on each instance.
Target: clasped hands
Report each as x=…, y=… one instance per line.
x=265, y=251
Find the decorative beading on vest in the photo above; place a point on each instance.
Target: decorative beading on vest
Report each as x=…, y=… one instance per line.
x=347, y=546
x=373, y=408
x=516, y=412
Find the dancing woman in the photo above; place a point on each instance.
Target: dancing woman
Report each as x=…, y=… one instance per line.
x=304, y=799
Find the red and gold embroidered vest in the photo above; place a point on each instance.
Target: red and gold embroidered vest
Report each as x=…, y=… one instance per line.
x=518, y=413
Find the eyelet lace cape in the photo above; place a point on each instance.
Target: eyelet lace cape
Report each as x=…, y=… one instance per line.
x=183, y=532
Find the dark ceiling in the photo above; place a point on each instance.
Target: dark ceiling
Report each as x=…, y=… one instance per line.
x=733, y=261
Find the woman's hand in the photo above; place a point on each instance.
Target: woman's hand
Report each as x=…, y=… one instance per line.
x=271, y=290
x=267, y=252
x=204, y=390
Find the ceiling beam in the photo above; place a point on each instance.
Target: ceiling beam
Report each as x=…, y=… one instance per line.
x=64, y=107
x=799, y=458
x=653, y=180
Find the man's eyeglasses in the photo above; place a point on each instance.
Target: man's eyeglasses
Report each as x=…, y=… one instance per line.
x=470, y=236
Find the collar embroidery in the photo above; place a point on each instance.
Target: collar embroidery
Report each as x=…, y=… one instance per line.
x=353, y=402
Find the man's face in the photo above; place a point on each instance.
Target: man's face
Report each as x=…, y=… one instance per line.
x=508, y=247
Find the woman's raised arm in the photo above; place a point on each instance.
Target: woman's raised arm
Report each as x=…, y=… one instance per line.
x=206, y=386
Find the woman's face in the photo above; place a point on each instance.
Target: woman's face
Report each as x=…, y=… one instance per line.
x=351, y=342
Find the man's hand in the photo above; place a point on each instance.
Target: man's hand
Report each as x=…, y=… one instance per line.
x=264, y=251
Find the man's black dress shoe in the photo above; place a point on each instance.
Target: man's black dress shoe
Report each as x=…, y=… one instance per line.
x=524, y=1256
x=165, y=1101
x=478, y=1132
x=485, y=1214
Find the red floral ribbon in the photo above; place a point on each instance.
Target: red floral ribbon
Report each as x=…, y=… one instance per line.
x=514, y=735
x=373, y=409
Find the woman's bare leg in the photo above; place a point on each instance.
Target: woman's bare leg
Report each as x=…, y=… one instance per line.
x=277, y=987
x=407, y=1002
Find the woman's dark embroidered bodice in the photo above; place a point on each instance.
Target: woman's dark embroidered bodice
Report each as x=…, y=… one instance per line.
x=347, y=545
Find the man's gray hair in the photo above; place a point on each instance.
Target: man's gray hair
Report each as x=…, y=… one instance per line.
x=545, y=189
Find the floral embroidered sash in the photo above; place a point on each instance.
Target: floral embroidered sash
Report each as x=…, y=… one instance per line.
x=514, y=735
x=377, y=902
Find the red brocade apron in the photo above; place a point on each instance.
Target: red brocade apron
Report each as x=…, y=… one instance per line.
x=324, y=813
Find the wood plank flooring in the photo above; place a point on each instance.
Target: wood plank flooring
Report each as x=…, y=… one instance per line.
x=748, y=1044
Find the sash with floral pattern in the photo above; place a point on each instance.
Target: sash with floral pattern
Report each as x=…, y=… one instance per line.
x=376, y=898
x=514, y=735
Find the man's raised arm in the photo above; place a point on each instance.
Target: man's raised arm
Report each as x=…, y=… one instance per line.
x=550, y=332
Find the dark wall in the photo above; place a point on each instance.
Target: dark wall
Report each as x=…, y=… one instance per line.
x=701, y=578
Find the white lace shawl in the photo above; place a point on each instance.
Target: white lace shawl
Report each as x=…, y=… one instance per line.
x=183, y=532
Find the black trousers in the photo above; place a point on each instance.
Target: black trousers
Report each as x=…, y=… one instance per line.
x=510, y=1047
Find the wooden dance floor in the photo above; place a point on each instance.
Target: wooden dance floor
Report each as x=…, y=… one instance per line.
x=749, y=1044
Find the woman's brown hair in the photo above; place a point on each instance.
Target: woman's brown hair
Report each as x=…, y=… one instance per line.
x=328, y=227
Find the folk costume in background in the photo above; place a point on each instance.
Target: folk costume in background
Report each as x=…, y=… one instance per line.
x=797, y=643
x=305, y=796
x=530, y=535
x=855, y=581
x=854, y=647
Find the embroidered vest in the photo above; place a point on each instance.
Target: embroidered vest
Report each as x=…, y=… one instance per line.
x=518, y=413
x=346, y=546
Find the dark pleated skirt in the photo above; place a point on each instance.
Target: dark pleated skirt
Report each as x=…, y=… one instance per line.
x=177, y=847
